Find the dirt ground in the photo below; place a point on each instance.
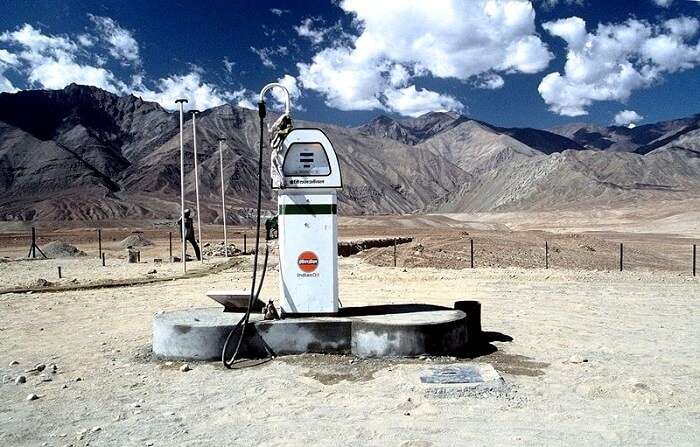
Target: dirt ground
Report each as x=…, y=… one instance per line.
x=637, y=331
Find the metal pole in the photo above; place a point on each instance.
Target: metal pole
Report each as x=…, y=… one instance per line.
x=621, y=256
x=546, y=255
x=170, y=238
x=33, y=242
x=223, y=196
x=104, y=261
x=182, y=185
x=59, y=272
x=99, y=242
x=471, y=250
x=694, y=255
x=394, y=252
x=245, y=244
x=196, y=180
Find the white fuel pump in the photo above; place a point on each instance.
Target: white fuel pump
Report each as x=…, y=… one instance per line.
x=307, y=180
x=306, y=174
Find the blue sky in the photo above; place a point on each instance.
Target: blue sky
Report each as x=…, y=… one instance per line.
x=501, y=61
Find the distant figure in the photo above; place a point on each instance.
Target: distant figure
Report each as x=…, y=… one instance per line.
x=189, y=232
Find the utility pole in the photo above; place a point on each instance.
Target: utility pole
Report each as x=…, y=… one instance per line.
x=223, y=195
x=196, y=180
x=181, y=102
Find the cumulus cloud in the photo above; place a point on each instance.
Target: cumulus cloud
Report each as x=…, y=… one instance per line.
x=663, y=3
x=55, y=61
x=121, y=42
x=399, y=42
x=200, y=95
x=308, y=30
x=51, y=61
x=7, y=60
x=416, y=102
x=611, y=62
x=490, y=81
x=627, y=118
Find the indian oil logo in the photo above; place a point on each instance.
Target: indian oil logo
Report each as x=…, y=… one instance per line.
x=307, y=261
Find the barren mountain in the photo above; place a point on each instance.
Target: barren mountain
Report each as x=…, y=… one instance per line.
x=82, y=153
x=85, y=154
x=640, y=139
x=417, y=130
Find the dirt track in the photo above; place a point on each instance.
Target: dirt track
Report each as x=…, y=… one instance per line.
x=637, y=330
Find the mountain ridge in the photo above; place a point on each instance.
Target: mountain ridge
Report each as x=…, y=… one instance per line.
x=85, y=154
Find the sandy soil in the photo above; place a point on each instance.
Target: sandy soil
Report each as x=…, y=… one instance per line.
x=638, y=331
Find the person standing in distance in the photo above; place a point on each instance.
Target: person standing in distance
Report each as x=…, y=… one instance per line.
x=189, y=232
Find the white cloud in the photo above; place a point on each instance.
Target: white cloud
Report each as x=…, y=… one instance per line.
x=122, y=45
x=200, y=95
x=411, y=102
x=86, y=40
x=450, y=39
x=265, y=54
x=627, y=117
x=7, y=60
x=278, y=12
x=306, y=29
x=490, y=81
x=616, y=59
x=663, y=3
x=51, y=61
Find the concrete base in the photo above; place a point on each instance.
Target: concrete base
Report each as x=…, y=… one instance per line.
x=372, y=331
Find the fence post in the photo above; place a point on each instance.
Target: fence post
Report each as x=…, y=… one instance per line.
x=546, y=255
x=170, y=240
x=621, y=255
x=33, y=242
x=471, y=250
x=694, y=256
x=59, y=272
x=99, y=242
x=394, y=252
x=245, y=245
x=104, y=262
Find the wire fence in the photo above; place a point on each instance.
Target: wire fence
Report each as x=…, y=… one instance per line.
x=165, y=241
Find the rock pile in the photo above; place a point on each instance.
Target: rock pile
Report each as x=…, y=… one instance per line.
x=60, y=249
x=218, y=250
x=135, y=240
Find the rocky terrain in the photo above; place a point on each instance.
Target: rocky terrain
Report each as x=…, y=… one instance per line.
x=84, y=154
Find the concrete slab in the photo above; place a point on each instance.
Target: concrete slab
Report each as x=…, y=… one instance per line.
x=193, y=334
x=462, y=380
x=436, y=332
x=374, y=331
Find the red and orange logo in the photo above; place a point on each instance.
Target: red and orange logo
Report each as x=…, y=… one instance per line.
x=307, y=261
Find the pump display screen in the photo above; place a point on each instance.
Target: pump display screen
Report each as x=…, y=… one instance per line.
x=306, y=159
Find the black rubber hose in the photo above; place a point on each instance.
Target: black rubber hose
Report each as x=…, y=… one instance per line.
x=244, y=321
x=229, y=363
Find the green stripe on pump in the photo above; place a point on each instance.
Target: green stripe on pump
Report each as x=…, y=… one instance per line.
x=313, y=209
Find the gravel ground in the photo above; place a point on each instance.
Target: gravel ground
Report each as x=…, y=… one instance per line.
x=637, y=332
x=82, y=271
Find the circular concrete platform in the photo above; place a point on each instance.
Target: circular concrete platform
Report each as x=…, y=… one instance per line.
x=374, y=331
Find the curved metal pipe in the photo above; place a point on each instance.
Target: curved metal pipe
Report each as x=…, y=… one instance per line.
x=269, y=87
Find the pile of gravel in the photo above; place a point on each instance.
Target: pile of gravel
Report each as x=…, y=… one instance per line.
x=60, y=249
x=135, y=240
x=218, y=250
